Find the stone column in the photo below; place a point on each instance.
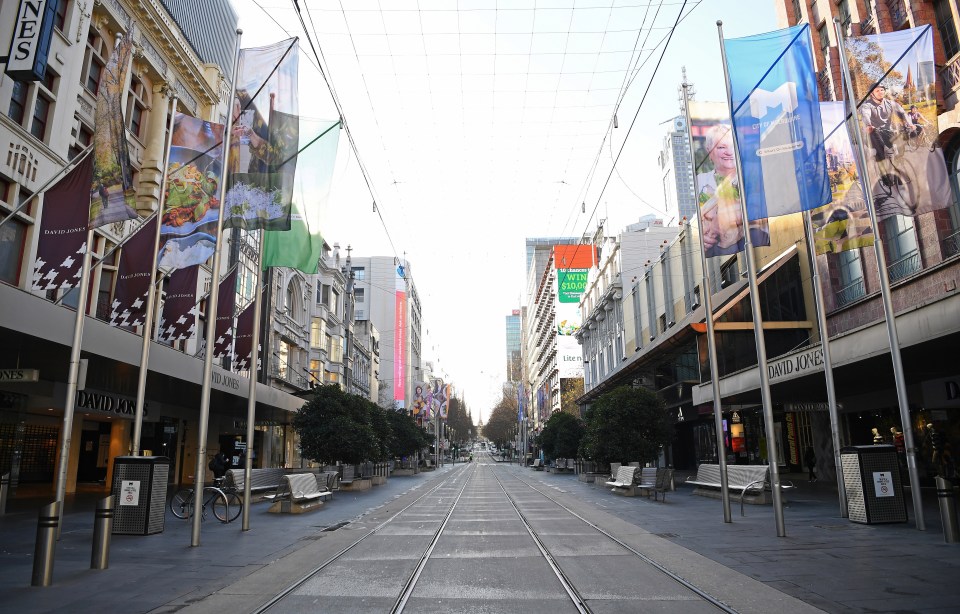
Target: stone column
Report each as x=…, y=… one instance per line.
x=151, y=173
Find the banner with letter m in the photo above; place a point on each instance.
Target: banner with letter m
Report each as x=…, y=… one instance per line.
x=776, y=114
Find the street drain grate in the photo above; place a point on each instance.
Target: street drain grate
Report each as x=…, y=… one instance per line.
x=667, y=535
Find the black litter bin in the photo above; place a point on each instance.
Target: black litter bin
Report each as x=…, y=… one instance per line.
x=871, y=479
x=140, y=492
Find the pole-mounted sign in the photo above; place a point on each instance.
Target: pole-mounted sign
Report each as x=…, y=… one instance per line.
x=30, y=43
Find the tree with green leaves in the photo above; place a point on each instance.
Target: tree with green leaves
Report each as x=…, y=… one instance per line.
x=382, y=430
x=408, y=438
x=335, y=426
x=502, y=422
x=627, y=424
x=560, y=437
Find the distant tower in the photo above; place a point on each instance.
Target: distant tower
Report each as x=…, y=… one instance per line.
x=678, y=188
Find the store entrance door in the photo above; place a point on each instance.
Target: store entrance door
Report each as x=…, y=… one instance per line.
x=94, y=452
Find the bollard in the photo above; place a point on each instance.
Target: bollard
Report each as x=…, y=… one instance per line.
x=4, y=487
x=102, y=529
x=948, y=510
x=47, y=525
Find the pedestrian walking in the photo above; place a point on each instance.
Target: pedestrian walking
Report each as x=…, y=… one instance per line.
x=810, y=460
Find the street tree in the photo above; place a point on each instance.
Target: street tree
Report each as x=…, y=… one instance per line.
x=335, y=426
x=561, y=436
x=502, y=422
x=627, y=424
x=408, y=438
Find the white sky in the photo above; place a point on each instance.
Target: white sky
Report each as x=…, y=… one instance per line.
x=479, y=122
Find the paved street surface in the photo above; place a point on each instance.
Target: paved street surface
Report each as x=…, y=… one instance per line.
x=492, y=537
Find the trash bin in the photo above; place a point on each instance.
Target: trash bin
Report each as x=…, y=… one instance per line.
x=140, y=488
x=871, y=479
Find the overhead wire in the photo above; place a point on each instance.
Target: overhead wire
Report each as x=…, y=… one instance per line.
x=343, y=122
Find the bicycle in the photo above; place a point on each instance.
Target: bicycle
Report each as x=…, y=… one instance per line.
x=182, y=503
x=896, y=193
x=234, y=498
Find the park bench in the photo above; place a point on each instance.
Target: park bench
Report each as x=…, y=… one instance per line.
x=656, y=481
x=564, y=464
x=624, y=483
x=262, y=480
x=328, y=480
x=537, y=464
x=745, y=479
x=298, y=493
x=352, y=480
x=613, y=470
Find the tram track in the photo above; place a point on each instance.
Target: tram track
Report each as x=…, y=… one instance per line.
x=398, y=595
x=408, y=587
x=720, y=605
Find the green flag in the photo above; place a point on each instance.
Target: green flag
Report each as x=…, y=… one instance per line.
x=301, y=247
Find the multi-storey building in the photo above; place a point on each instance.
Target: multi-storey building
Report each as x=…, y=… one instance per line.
x=622, y=259
x=514, y=362
x=553, y=361
x=923, y=259
x=180, y=47
x=385, y=294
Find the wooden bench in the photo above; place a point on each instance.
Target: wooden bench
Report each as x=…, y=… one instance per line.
x=537, y=464
x=624, y=483
x=747, y=479
x=297, y=493
x=262, y=480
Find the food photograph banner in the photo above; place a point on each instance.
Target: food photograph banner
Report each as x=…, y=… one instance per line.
x=188, y=225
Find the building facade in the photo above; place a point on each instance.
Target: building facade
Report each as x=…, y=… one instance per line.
x=181, y=48
x=924, y=269
x=386, y=295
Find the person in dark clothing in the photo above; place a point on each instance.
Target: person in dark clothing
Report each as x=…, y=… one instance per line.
x=810, y=460
x=219, y=465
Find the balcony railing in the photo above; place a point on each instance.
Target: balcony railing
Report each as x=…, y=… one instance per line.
x=908, y=265
x=850, y=293
x=951, y=245
x=951, y=76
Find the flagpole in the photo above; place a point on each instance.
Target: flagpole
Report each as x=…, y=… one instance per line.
x=211, y=318
x=63, y=169
x=252, y=394
x=827, y=363
x=152, y=291
x=889, y=314
x=73, y=377
x=757, y=316
x=707, y=297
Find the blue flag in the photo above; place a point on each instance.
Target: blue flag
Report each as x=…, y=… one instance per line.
x=776, y=114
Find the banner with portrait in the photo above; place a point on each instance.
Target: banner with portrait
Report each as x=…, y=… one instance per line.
x=264, y=139
x=844, y=223
x=718, y=192
x=191, y=206
x=894, y=80
x=113, y=196
x=776, y=113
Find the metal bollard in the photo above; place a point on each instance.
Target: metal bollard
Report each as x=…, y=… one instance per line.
x=4, y=488
x=948, y=510
x=102, y=529
x=47, y=525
